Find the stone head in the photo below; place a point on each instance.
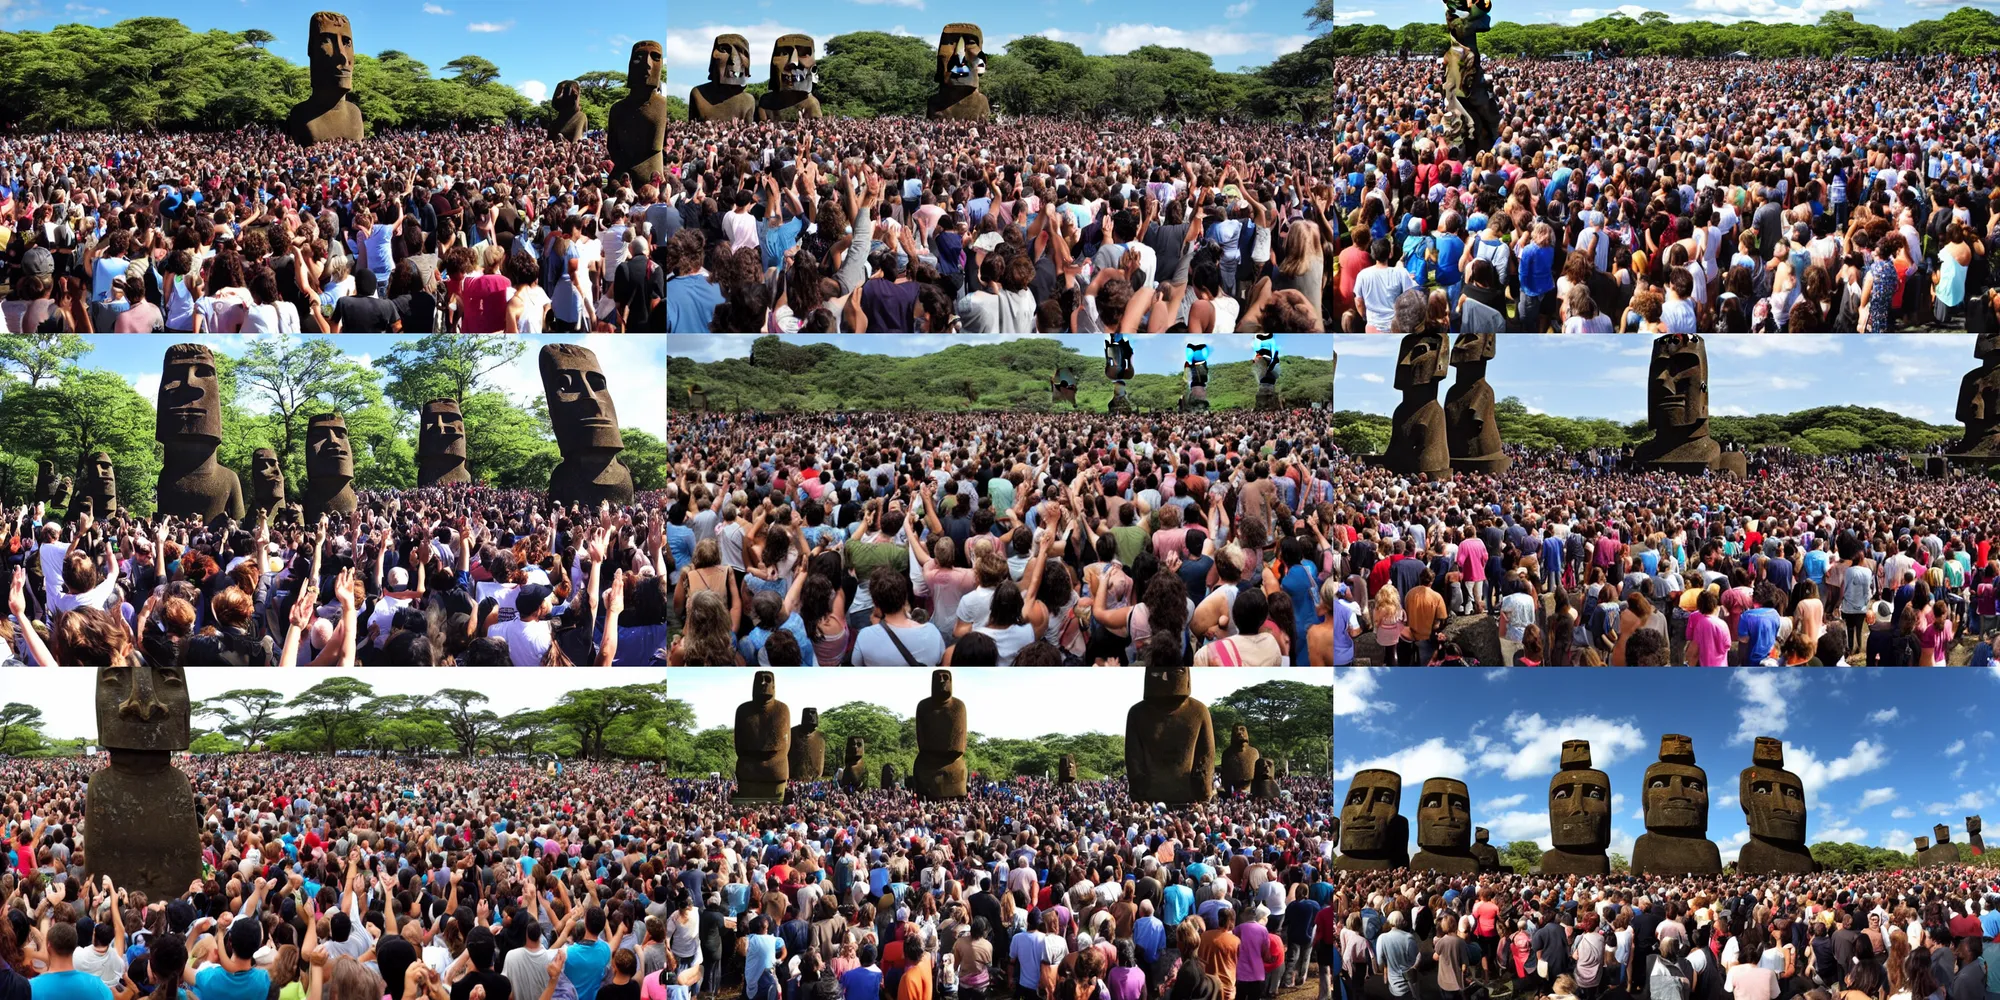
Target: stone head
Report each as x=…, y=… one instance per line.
x=567, y=95
x=329, y=455
x=1979, y=395
x=1444, y=814
x=855, y=746
x=1676, y=791
x=580, y=406
x=1263, y=771
x=941, y=684
x=1579, y=801
x=142, y=708
x=1066, y=766
x=1421, y=360
x=792, y=65
x=1677, y=380
x=97, y=477
x=1987, y=347
x=1972, y=826
x=45, y=479
x=330, y=51
x=267, y=475
x=1774, y=799
x=961, y=56
x=809, y=719
x=1942, y=833
x=642, y=73
x=1471, y=347
x=190, y=398
x=764, y=686
x=1239, y=736
x=1923, y=844
x=1167, y=683
x=729, y=61
x=1368, y=814
x=1481, y=835
x=442, y=431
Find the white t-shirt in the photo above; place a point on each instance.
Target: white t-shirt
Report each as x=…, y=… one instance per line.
x=53, y=554
x=872, y=647
x=1008, y=640
x=974, y=607
x=102, y=597
x=108, y=966
x=1377, y=288
x=527, y=642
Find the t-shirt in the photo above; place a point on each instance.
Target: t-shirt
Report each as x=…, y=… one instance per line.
x=74, y=985
x=1760, y=626
x=108, y=966
x=1710, y=641
x=355, y=314
x=760, y=956
x=1027, y=950
x=584, y=965
x=873, y=648
x=498, y=987
x=221, y=984
x=527, y=642
x=1377, y=288
x=691, y=302
x=528, y=971
x=862, y=983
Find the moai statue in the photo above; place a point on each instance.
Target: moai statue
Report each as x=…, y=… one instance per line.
x=330, y=113
x=790, y=96
x=891, y=778
x=939, y=771
x=637, y=134
x=1374, y=836
x=1676, y=801
x=1489, y=859
x=568, y=123
x=808, y=754
x=1677, y=411
x=586, y=427
x=267, y=482
x=441, y=444
x=853, y=769
x=329, y=467
x=51, y=490
x=1264, y=785
x=1579, y=815
x=1239, y=760
x=1417, y=442
x=1469, y=426
x=96, y=490
x=763, y=737
x=1944, y=852
x=961, y=61
x=1169, y=742
x=723, y=97
x=1774, y=805
x=144, y=831
x=1979, y=406
x=1066, y=770
x=188, y=422
x=1972, y=835
x=1444, y=828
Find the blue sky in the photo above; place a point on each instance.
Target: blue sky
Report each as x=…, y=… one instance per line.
x=1884, y=754
x=1238, y=34
x=1888, y=13
x=534, y=44
x=1595, y=376
x=635, y=366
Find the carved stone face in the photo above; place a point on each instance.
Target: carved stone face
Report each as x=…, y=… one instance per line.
x=940, y=684
x=1165, y=683
x=1369, y=811
x=1979, y=396
x=1469, y=347
x=642, y=73
x=45, y=479
x=1444, y=814
x=1264, y=772
x=1421, y=360
x=328, y=454
x=1987, y=347
x=1774, y=803
x=580, y=407
x=1580, y=809
x=792, y=65
x=1240, y=736
x=729, y=61
x=267, y=476
x=809, y=718
x=1923, y=844
x=764, y=686
x=1942, y=833
x=330, y=51
x=98, y=477
x=190, y=398
x=961, y=58
x=1677, y=381
x=1676, y=799
x=142, y=708
x=1481, y=835
x=1066, y=766
x=855, y=746
x=566, y=98
x=1971, y=826
x=442, y=431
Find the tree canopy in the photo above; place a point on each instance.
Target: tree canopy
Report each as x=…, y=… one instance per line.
x=1965, y=31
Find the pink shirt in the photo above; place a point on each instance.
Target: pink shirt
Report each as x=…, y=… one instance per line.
x=1170, y=540
x=1710, y=641
x=1472, y=560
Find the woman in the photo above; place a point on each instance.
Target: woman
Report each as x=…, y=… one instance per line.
x=1009, y=624
x=1530, y=653
x=268, y=313
x=483, y=297
x=528, y=310
x=1392, y=628
x=1303, y=264
x=707, y=639
x=415, y=305
x=1751, y=978
x=1638, y=613
x=707, y=574
x=1580, y=313
x=1918, y=982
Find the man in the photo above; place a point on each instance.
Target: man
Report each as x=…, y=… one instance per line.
x=691, y=297
x=237, y=977
x=105, y=958
x=1517, y=612
x=1670, y=977
x=1968, y=984
x=864, y=981
x=1220, y=951
x=527, y=969
x=63, y=980
x=1758, y=628
x=1396, y=950
x=1550, y=946
x=915, y=983
x=586, y=961
x=1029, y=954
x=1379, y=284
x=639, y=286
x=529, y=634
x=479, y=946
x=362, y=312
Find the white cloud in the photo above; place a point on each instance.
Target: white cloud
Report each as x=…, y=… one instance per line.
x=1970, y=800
x=431, y=8
x=85, y=10
x=1520, y=825
x=1216, y=41
x=534, y=90
x=1578, y=15
x=1506, y=802
x=1236, y=10
x=1345, y=16
x=1496, y=675
x=1532, y=747
x=1863, y=757
x=1352, y=687
x=1885, y=715
x=1772, y=12
x=1897, y=840
x=1734, y=843
x=1724, y=801
x=489, y=27
x=1371, y=377
x=1957, y=747
x=1433, y=758
x=1901, y=812
x=918, y=4
x=1766, y=694
x=687, y=49
x=1877, y=796
x=1959, y=771
x=1842, y=835
x=1757, y=347
x=147, y=385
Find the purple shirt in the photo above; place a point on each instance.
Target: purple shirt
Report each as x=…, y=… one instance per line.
x=1250, y=957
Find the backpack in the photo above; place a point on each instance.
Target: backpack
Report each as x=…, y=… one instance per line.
x=1423, y=265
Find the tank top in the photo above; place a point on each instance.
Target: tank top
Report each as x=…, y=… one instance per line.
x=1951, y=286
x=180, y=305
x=830, y=647
x=1226, y=311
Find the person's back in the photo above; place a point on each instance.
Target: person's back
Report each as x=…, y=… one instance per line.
x=691, y=302
x=484, y=297
x=364, y=314
x=584, y=964
x=889, y=305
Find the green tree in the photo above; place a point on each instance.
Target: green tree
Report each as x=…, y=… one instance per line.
x=443, y=366
x=298, y=379
x=84, y=411
x=867, y=73
x=1287, y=720
x=1522, y=856
x=248, y=715
x=590, y=713
x=19, y=719
x=469, y=726
x=330, y=712
x=213, y=743
x=38, y=357
x=473, y=70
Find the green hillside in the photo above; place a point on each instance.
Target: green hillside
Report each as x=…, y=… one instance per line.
x=1009, y=376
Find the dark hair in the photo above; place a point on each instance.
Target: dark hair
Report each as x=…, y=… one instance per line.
x=1007, y=606
x=1249, y=609
x=975, y=649
x=890, y=589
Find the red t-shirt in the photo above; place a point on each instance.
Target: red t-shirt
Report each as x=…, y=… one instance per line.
x=485, y=300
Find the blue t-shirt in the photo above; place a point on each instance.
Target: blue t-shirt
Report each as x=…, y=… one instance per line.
x=1178, y=900
x=221, y=984
x=780, y=238
x=1303, y=588
x=691, y=302
x=73, y=985
x=1343, y=644
x=1538, y=270
x=1760, y=626
x=1450, y=249
x=760, y=957
x=861, y=983
x=1816, y=566
x=584, y=964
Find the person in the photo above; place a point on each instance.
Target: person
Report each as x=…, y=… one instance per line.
x=895, y=639
x=528, y=635
x=363, y=312
x=1379, y=285
x=62, y=980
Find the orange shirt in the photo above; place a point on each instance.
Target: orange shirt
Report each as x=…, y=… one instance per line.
x=916, y=982
x=1218, y=955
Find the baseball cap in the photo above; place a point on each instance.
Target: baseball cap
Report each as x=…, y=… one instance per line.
x=531, y=597
x=39, y=261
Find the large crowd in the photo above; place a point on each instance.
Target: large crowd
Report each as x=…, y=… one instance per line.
x=1909, y=934
x=1253, y=538
x=1668, y=195
x=359, y=878
x=458, y=575
x=499, y=230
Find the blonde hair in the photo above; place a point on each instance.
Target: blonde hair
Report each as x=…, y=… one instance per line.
x=1387, y=602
